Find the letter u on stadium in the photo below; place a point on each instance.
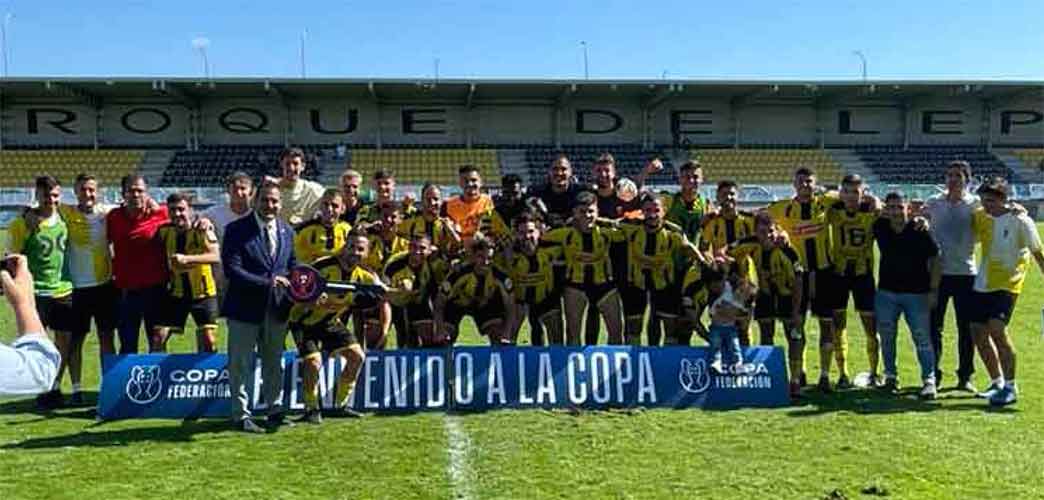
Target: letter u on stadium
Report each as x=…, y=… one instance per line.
x=191, y=133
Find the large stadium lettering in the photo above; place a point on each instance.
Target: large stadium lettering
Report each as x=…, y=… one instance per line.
x=32, y=116
x=583, y=125
x=687, y=121
x=244, y=121
x=413, y=123
x=933, y=122
x=844, y=125
x=1018, y=117
x=145, y=124
x=315, y=116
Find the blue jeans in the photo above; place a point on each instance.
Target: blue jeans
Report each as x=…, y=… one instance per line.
x=887, y=307
x=724, y=342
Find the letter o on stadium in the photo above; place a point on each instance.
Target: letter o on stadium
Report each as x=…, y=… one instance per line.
x=128, y=123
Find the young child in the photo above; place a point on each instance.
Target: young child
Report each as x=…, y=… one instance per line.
x=735, y=301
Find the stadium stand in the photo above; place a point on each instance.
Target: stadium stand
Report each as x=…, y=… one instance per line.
x=768, y=166
x=210, y=165
x=927, y=164
x=1032, y=158
x=630, y=160
x=21, y=166
x=420, y=165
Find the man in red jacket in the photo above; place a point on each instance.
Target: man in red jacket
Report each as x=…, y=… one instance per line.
x=138, y=263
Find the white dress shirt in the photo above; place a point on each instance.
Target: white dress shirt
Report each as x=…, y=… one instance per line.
x=29, y=365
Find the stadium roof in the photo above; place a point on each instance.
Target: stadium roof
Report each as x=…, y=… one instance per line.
x=501, y=90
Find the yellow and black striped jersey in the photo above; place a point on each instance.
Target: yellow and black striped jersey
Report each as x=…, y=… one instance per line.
x=337, y=305
x=777, y=267
x=586, y=255
x=465, y=287
x=314, y=240
x=695, y=291
x=807, y=225
x=532, y=276
x=382, y=250
x=651, y=256
x=852, y=238
x=719, y=231
x=196, y=281
x=416, y=282
x=438, y=229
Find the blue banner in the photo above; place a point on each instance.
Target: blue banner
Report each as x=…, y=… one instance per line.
x=464, y=378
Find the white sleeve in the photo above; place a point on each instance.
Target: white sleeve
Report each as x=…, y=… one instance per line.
x=1030, y=236
x=29, y=365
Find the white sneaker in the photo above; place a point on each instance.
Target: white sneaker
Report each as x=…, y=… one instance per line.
x=989, y=392
x=928, y=392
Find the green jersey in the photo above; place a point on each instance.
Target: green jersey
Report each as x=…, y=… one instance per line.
x=688, y=215
x=45, y=249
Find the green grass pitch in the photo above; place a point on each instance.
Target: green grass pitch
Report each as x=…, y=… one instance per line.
x=855, y=444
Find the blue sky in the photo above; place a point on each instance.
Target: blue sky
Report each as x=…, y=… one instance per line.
x=532, y=39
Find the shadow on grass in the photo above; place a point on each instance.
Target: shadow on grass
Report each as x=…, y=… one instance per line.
x=124, y=437
x=85, y=411
x=870, y=402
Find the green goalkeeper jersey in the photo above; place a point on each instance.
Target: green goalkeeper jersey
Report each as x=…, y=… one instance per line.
x=44, y=248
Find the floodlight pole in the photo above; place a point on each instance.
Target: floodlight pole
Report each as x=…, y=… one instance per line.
x=862, y=59
x=304, y=36
x=206, y=62
x=587, y=75
x=3, y=40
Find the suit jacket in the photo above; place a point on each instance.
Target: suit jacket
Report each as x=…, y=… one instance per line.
x=249, y=270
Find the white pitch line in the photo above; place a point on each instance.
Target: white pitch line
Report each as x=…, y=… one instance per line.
x=459, y=448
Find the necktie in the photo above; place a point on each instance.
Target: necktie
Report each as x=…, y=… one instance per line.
x=271, y=231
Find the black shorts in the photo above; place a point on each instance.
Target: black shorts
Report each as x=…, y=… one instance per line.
x=484, y=315
x=987, y=306
x=325, y=338
x=550, y=304
x=417, y=311
x=595, y=293
x=822, y=304
x=861, y=288
x=668, y=302
x=56, y=313
x=773, y=306
x=98, y=302
x=203, y=311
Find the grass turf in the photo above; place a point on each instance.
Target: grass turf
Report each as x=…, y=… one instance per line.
x=853, y=444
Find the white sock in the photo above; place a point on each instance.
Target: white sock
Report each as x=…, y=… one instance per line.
x=76, y=387
x=999, y=382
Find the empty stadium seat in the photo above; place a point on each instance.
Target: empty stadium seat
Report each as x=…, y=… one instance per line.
x=417, y=166
x=211, y=165
x=927, y=164
x=764, y=165
x=21, y=167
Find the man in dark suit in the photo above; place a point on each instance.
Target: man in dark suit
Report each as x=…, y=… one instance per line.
x=257, y=256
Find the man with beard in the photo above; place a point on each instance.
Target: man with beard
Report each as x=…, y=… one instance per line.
x=325, y=234
x=650, y=274
x=191, y=290
x=588, y=277
x=320, y=328
x=779, y=271
x=411, y=274
x=300, y=196
x=468, y=208
x=804, y=220
x=506, y=206
x=479, y=290
x=530, y=266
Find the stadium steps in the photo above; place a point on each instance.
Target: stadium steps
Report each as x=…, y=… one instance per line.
x=331, y=167
x=154, y=163
x=21, y=166
x=513, y=161
x=851, y=163
x=1025, y=163
x=764, y=165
